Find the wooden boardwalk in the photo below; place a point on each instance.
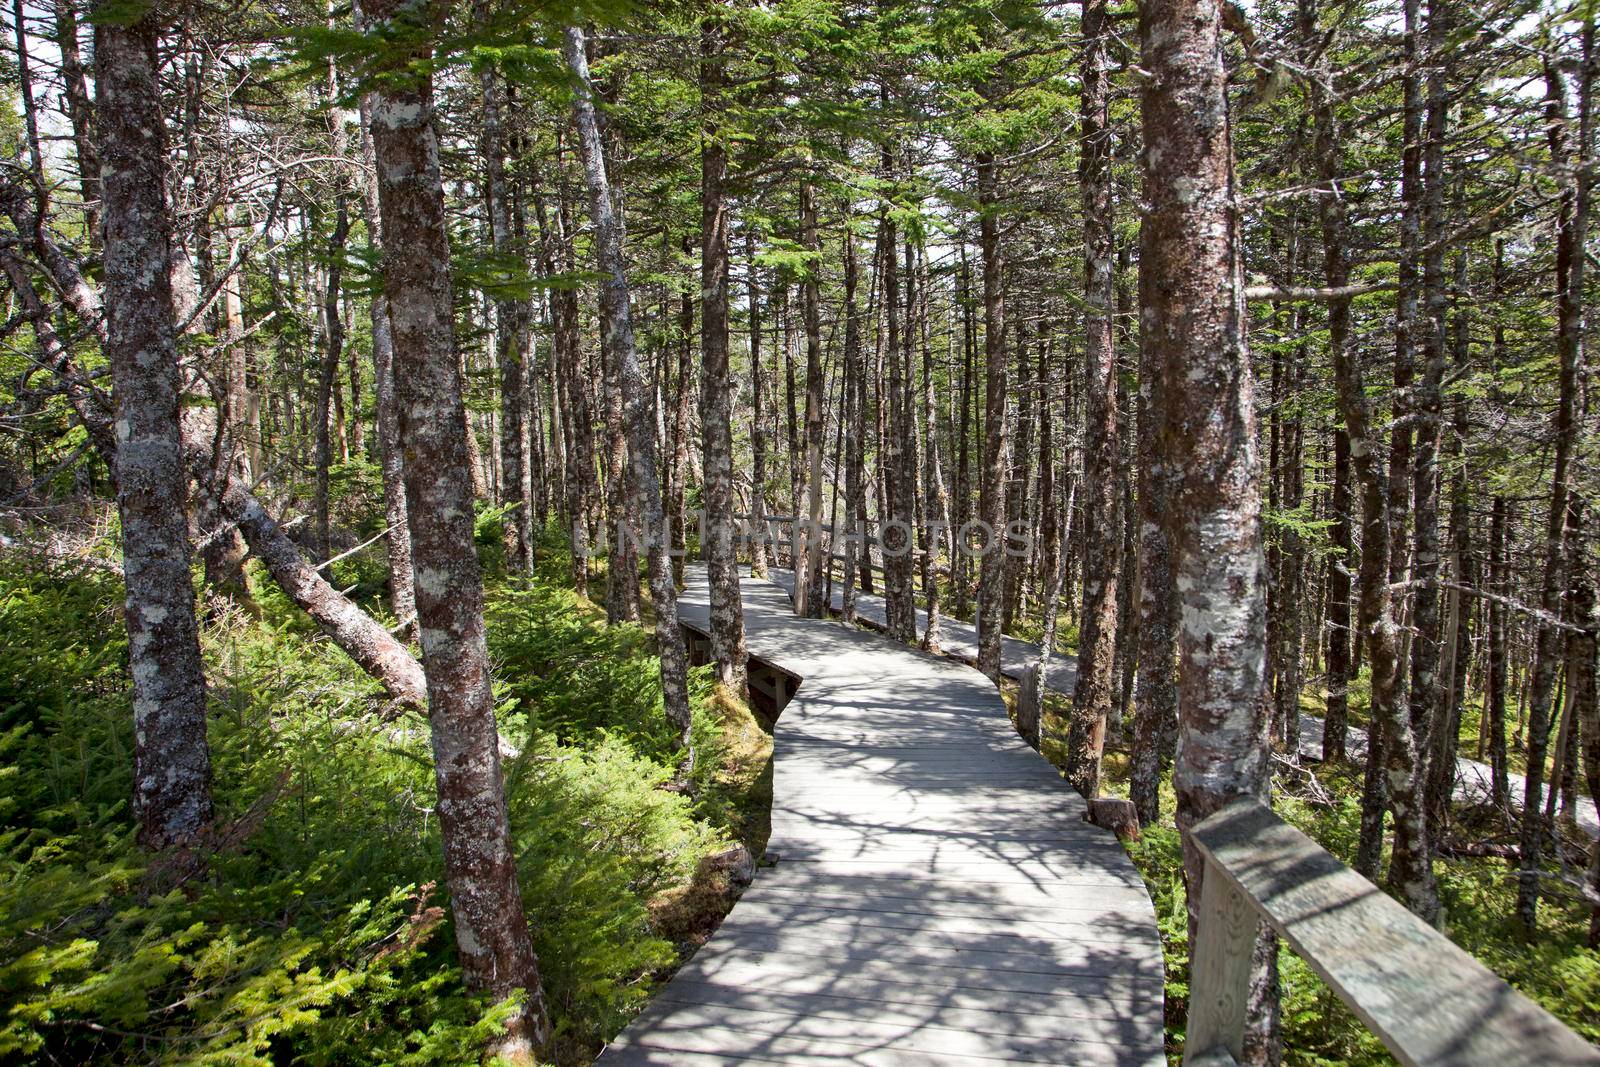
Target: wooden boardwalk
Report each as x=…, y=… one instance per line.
x=960, y=640
x=937, y=898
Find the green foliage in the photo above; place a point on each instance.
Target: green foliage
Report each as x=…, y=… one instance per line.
x=316, y=930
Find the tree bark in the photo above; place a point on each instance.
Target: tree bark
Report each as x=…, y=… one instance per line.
x=809, y=594
x=1192, y=293
x=1571, y=233
x=492, y=936
x=1102, y=563
x=609, y=242
x=510, y=327
x=172, y=762
x=327, y=373
x=855, y=420
x=991, y=486
x=758, y=423
x=402, y=580
x=716, y=382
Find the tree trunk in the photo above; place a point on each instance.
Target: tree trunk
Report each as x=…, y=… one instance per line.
x=935, y=503
x=492, y=936
x=716, y=383
x=809, y=594
x=402, y=582
x=327, y=372
x=80, y=110
x=1091, y=700
x=609, y=242
x=510, y=327
x=991, y=486
x=895, y=526
x=172, y=762
x=855, y=420
x=758, y=424
x=1193, y=315
x=1571, y=232
x=1391, y=749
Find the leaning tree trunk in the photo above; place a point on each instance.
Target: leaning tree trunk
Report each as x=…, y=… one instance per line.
x=492, y=936
x=1091, y=699
x=171, y=760
x=609, y=240
x=1192, y=293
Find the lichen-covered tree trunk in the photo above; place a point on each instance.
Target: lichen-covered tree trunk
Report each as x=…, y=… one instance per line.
x=1193, y=316
x=402, y=582
x=510, y=325
x=1102, y=561
x=991, y=482
x=492, y=936
x=609, y=241
x=1155, y=717
x=171, y=760
x=716, y=381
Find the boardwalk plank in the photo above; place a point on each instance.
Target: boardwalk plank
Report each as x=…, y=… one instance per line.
x=933, y=895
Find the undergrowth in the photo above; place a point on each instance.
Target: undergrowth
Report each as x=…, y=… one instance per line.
x=318, y=931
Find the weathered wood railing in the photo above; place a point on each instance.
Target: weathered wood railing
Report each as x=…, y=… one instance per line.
x=1428, y=1001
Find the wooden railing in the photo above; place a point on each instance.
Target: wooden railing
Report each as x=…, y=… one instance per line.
x=1428, y=1001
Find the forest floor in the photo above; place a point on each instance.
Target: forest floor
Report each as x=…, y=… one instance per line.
x=315, y=930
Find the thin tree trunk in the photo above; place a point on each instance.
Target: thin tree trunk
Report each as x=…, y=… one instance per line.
x=716, y=382
x=895, y=526
x=328, y=368
x=855, y=420
x=1091, y=700
x=809, y=592
x=1571, y=233
x=758, y=424
x=510, y=318
x=1391, y=749
x=991, y=486
x=609, y=242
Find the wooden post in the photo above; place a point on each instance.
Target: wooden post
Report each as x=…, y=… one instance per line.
x=1219, y=970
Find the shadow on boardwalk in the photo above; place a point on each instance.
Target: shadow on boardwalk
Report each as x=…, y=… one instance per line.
x=935, y=898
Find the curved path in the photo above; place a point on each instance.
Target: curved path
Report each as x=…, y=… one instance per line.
x=960, y=640
x=937, y=898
